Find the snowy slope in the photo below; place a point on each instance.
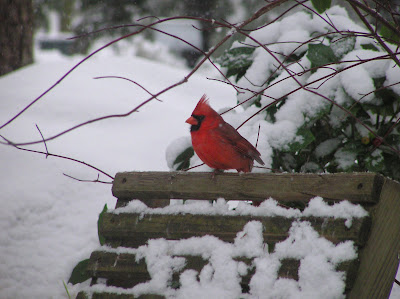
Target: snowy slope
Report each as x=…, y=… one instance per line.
x=48, y=221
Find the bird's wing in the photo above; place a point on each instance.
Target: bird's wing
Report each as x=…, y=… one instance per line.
x=229, y=135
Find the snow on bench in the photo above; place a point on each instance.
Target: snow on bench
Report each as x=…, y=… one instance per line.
x=312, y=236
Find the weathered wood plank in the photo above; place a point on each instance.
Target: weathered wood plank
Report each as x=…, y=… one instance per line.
x=380, y=257
x=356, y=187
x=133, y=230
x=106, y=295
x=121, y=270
x=109, y=265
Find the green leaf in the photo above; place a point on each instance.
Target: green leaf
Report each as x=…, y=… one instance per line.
x=79, y=274
x=295, y=57
x=393, y=138
x=392, y=168
x=342, y=45
x=391, y=36
x=320, y=54
x=370, y=47
x=183, y=159
x=306, y=138
x=320, y=113
x=257, y=101
x=237, y=61
x=321, y=5
x=375, y=161
x=271, y=111
x=346, y=156
x=388, y=96
x=99, y=222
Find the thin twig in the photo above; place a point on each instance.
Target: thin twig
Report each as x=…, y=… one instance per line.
x=190, y=168
x=373, y=13
x=258, y=134
x=277, y=18
x=88, y=181
x=272, y=169
x=397, y=282
x=62, y=78
x=373, y=91
x=377, y=37
x=391, y=128
x=57, y=156
x=44, y=141
x=319, y=15
x=134, y=82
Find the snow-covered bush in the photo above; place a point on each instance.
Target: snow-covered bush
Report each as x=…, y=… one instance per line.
x=321, y=89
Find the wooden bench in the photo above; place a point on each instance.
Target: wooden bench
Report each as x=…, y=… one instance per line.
x=376, y=237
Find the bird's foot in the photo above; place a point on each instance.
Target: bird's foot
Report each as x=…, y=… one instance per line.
x=215, y=172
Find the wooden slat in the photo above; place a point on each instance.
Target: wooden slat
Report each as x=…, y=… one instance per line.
x=121, y=270
x=122, y=267
x=380, y=257
x=124, y=296
x=359, y=187
x=105, y=295
x=133, y=230
x=108, y=265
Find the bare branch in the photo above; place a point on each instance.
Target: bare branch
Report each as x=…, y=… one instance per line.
x=57, y=156
x=258, y=134
x=134, y=82
x=88, y=181
x=63, y=77
x=377, y=37
x=272, y=169
x=190, y=168
x=44, y=141
x=278, y=17
x=373, y=13
x=397, y=282
x=319, y=15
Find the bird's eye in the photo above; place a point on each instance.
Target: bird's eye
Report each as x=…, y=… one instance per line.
x=198, y=117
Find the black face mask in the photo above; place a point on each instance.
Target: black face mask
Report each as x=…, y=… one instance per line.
x=199, y=119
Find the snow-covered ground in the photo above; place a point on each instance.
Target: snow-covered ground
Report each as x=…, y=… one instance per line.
x=48, y=221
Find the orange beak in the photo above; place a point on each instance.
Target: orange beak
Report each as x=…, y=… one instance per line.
x=192, y=121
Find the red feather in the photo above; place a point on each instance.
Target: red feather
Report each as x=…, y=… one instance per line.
x=217, y=143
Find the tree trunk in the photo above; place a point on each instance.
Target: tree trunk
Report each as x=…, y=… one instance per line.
x=16, y=34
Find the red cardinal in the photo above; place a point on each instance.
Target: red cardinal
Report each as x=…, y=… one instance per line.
x=217, y=143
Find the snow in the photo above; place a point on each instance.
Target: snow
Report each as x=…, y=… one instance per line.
x=188, y=30
x=221, y=276
x=393, y=78
x=293, y=41
x=345, y=159
x=175, y=148
x=49, y=221
x=327, y=147
x=269, y=208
